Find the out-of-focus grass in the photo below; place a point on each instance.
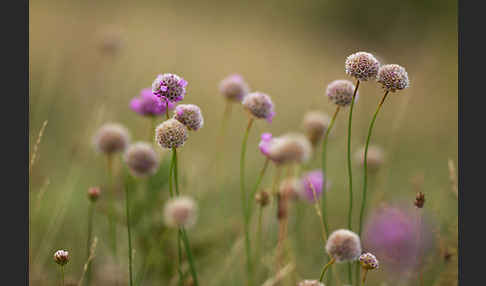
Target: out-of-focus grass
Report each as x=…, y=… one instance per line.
x=77, y=88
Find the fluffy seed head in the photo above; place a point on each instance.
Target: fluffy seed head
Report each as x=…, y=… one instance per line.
x=312, y=182
x=310, y=283
x=169, y=86
x=393, y=77
x=290, y=148
x=234, y=88
x=111, y=138
x=362, y=66
x=189, y=115
x=376, y=157
x=147, y=104
x=180, y=212
x=94, y=193
x=61, y=257
x=171, y=133
x=315, y=125
x=368, y=261
x=259, y=105
x=141, y=159
x=340, y=92
x=343, y=245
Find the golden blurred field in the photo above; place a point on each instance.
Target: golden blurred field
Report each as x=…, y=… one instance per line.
x=77, y=87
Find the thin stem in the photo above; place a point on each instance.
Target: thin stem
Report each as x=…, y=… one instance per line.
x=189, y=256
x=259, y=231
x=324, y=187
x=171, y=169
x=244, y=199
x=179, y=253
x=62, y=275
x=174, y=151
x=257, y=184
x=127, y=208
x=88, y=244
x=331, y=262
x=111, y=217
x=318, y=211
x=167, y=108
x=364, y=277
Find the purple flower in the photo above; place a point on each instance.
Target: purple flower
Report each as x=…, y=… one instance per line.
x=264, y=144
x=147, y=104
x=259, y=105
x=234, y=88
x=312, y=181
x=395, y=235
x=169, y=86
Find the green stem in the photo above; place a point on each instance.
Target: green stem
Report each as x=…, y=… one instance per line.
x=244, y=199
x=324, y=146
x=167, y=108
x=88, y=244
x=171, y=169
x=174, y=151
x=257, y=184
x=364, y=277
x=331, y=262
x=179, y=253
x=111, y=217
x=127, y=208
x=62, y=275
x=259, y=231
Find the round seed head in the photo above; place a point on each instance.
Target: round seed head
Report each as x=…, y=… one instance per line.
x=190, y=115
x=340, y=92
x=169, y=86
x=312, y=182
x=61, y=257
x=141, y=159
x=343, y=245
x=111, y=138
x=171, y=134
x=368, y=261
x=376, y=157
x=94, y=193
x=259, y=105
x=180, y=212
x=362, y=66
x=393, y=77
x=262, y=198
x=148, y=104
x=315, y=125
x=234, y=88
x=310, y=283
x=290, y=148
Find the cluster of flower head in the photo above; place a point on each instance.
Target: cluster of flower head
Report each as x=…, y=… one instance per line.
x=376, y=157
x=190, y=115
x=313, y=183
x=234, y=88
x=169, y=86
x=111, y=138
x=315, y=125
x=362, y=66
x=61, y=257
x=343, y=245
x=171, y=134
x=259, y=105
x=141, y=159
x=340, y=92
x=147, y=104
x=286, y=149
x=368, y=261
x=180, y=212
x=393, y=77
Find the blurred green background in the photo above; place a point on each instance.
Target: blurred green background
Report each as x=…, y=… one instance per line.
x=89, y=58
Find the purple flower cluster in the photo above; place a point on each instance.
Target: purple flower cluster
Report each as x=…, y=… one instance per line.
x=147, y=104
x=313, y=182
x=169, y=86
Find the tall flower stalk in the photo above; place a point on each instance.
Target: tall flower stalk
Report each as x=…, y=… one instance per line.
x=93, y=194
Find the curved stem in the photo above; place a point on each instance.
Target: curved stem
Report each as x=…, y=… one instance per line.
x=331, y=262
x=257, y=184
x=244, y=198
x=127, y=208
x=324, y=146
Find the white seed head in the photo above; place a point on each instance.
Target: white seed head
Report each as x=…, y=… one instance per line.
x=315, y=125
x=393, y=77
x=290, y=148
x=343, y=245
x=259, y=105
x=171, y=134
x=362, y=66
x=376, y=157
x=141, y=159
x=234, y=88
x=340, y=92
x=111, y=138
x=180, y=212
x=189, y=115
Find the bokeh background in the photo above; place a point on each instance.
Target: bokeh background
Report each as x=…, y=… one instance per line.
x=89, y=58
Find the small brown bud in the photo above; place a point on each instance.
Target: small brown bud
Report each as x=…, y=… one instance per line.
x=419, y=200
x=262, y=198
x=94, y=194
x=61, y=257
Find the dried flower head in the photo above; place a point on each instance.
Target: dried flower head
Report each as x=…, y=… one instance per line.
x=147, y=104
x=340, y=92
x=94, y=193
x=262, y=198
x=343, y=245
x=259, y=105
x=368, y=261
x=362, y=66
x=180, y=212
x=290, y=148
x=290, y=188
x=169, y=86
x=234, y=88
x=313, y=182
x=61, y=257
x=171, y=134
x=189, y=115
x=419, y=200
x=376, y=157
x=111, y=138
x=315, y=125
x=393, y=77
x=141, y=159
x=310, y=283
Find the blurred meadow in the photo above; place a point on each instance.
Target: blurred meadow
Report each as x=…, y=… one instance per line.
x=88, y=59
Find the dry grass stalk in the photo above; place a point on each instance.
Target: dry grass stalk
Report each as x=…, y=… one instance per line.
x=280, y=275
x=36, y=146
x=453, y=178
x=91, y=256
